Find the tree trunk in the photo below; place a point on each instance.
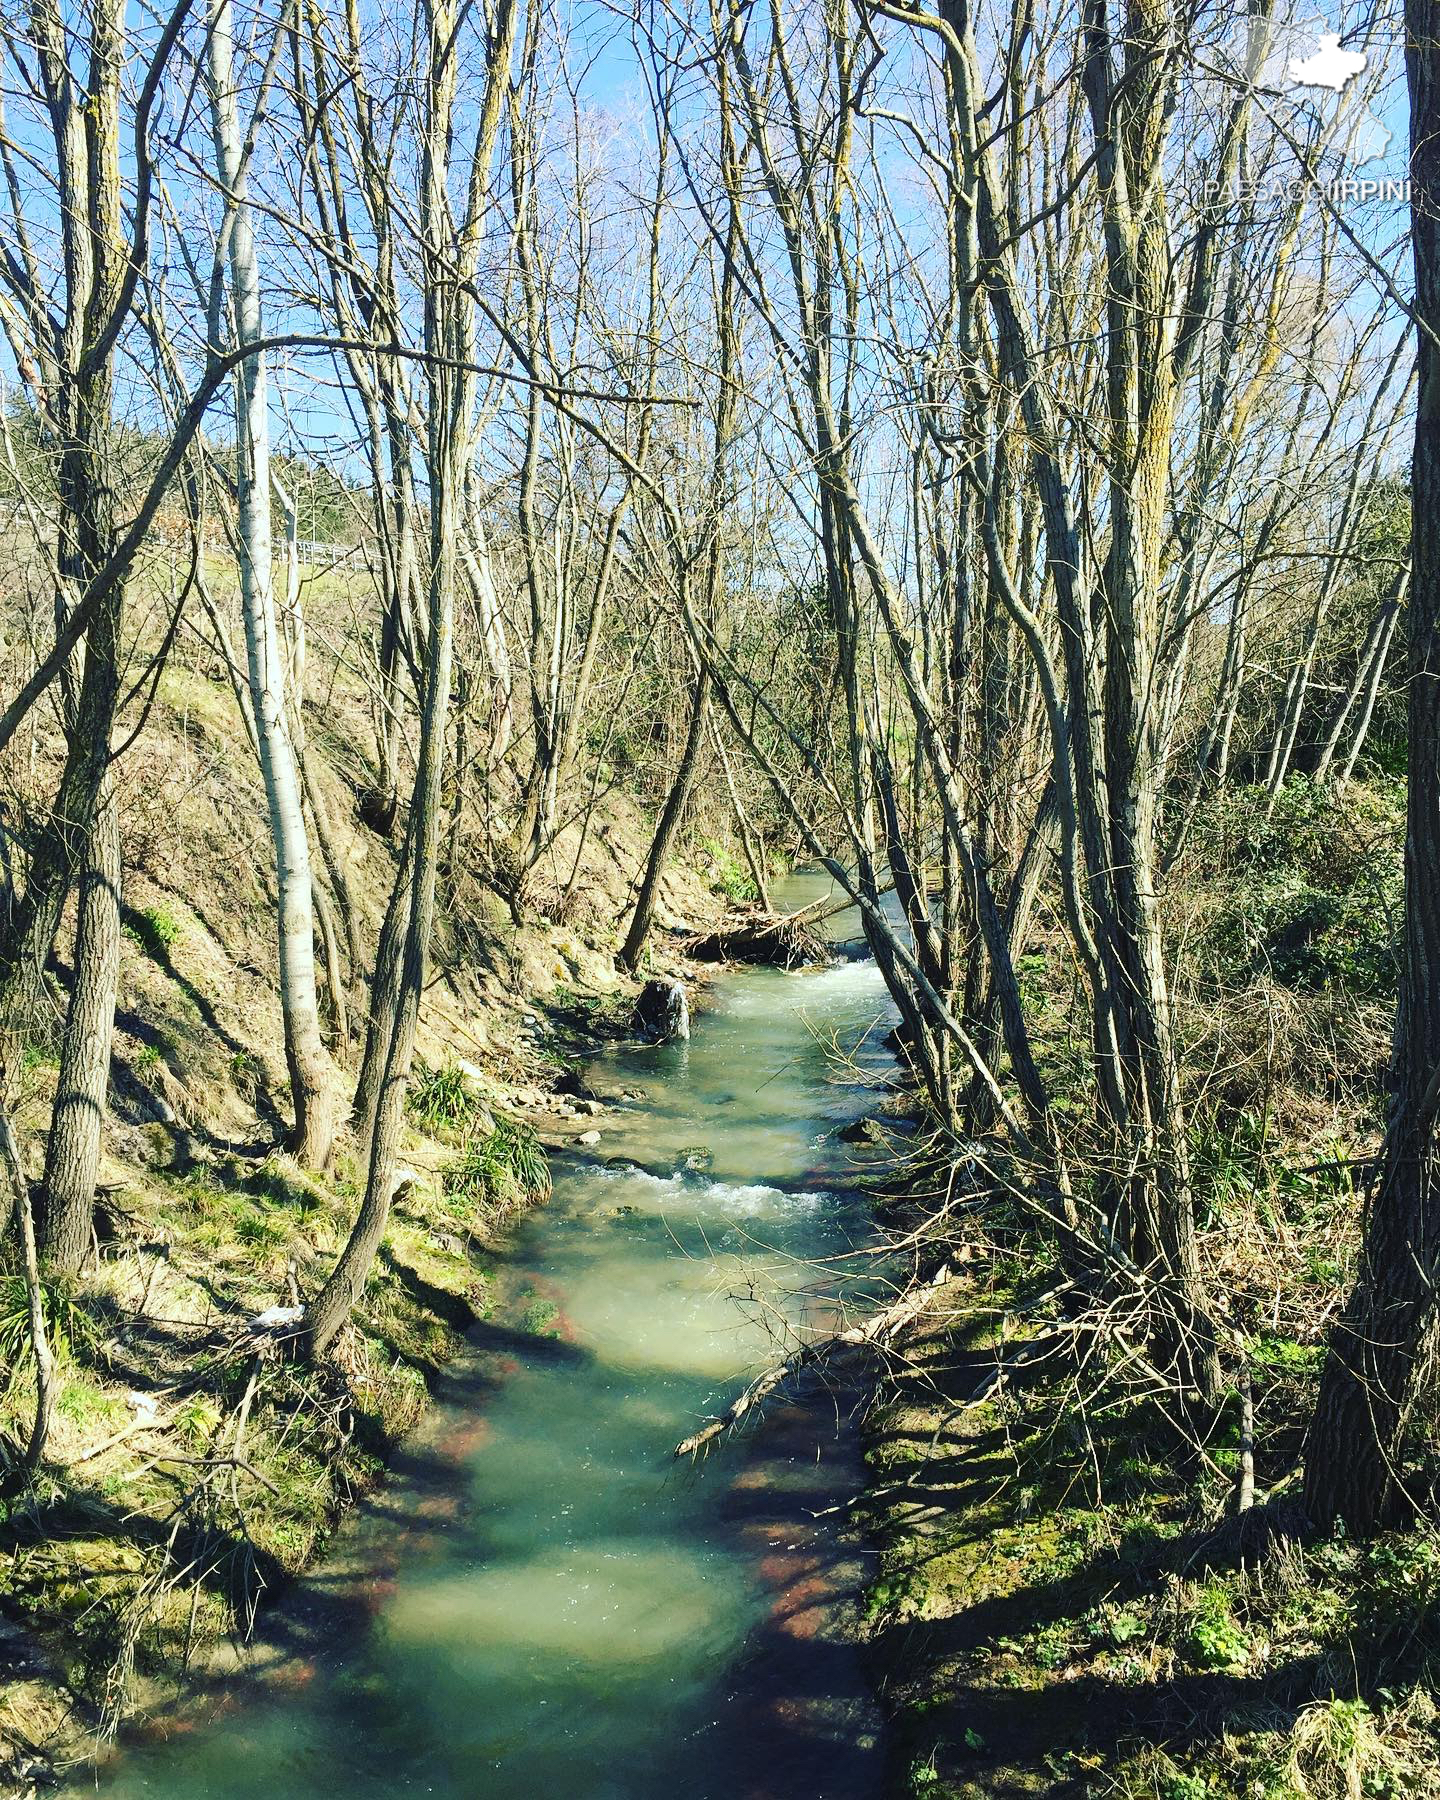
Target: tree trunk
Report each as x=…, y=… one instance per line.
x=304, y=1048
x=1364, y=685
x=1382, y=1350
x=1151, y=1182
x=665, y=832
x=384, y=1006
x=72, y=1154
x=62, y=848
x=86, y=138
x=450, y=262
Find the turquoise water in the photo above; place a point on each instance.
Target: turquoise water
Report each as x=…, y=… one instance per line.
x=542, y=1604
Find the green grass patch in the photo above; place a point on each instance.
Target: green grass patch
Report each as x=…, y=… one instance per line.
x=506, y=1167
x=442, y=1102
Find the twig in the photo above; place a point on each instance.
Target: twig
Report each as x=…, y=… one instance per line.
x=1245, y=1493
x=875, y=1330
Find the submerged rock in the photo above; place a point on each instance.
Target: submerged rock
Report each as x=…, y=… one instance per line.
x=662, y=1012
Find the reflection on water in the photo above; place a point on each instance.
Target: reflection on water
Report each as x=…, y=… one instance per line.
x=549, y=1608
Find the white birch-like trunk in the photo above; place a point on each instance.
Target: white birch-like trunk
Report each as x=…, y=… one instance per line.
x=304, y=1049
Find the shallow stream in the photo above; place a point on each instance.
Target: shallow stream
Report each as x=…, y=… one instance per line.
x=541, y=1604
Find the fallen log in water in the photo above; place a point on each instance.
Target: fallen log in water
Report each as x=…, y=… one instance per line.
x=874, y=1332
x=784, y=940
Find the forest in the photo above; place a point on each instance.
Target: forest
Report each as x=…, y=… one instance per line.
x=527, y=528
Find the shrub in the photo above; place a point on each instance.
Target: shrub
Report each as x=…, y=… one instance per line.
x=156, y=930
x=1215, y=1639
x=728, y=876
x=1306, y=889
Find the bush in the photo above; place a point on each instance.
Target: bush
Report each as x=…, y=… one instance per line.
x=1306, y=890
x=728, y=875
x=1215, y=1639
x=156, y=930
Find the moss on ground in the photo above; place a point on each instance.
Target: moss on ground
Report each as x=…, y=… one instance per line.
x=191, y=1472
x=1056, y=1612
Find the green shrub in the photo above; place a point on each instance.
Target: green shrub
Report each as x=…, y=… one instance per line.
x=156, y=930
x=198, y=1418
x=1175, y=1784
x=1285, y=1356
x=728, y=875
x=1306, y=889
x=1215, y=1639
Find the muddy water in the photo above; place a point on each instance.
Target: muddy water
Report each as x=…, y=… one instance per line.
x=543, y=1606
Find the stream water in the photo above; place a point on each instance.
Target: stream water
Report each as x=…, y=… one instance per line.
x=541, y=1604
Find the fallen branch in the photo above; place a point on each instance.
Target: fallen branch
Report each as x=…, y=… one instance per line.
x=126, y=1432
x=876, y=1330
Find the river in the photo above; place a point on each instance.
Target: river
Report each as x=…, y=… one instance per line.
x=540, y=1604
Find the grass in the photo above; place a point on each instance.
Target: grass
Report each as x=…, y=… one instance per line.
x=67, y=1320
x=506, y=1167
x=442, y=1101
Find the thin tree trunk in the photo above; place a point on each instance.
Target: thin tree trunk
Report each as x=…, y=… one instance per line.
x=451, y=258
x=1367, y=709
x=1369, y=670
x=310, y=1084
x=384, y=1006
x=72, y=1153
x=671, y=817
x=751, y=841
x=86, y=138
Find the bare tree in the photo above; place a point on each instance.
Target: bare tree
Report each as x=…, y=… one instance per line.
x=310, y=1081
x=65, y=345
x=449, y=248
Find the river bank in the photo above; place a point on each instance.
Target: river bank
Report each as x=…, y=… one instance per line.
x=609, y=1311
x=192, y=1474
x=1060, y=1609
